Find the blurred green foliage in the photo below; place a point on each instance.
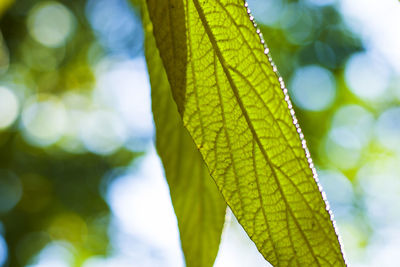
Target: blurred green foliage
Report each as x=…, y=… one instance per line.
x=46, y=193
x=60, y=199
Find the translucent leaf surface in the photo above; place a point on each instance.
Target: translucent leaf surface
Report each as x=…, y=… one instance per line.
x=199, y=206
x=232, y=103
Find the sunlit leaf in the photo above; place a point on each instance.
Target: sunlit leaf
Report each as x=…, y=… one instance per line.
x=232, y=103
x=199, y=206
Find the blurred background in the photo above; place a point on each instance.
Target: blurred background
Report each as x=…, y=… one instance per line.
x=80, y=181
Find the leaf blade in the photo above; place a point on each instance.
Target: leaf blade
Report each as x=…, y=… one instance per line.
x=171, y=15
x=199, y=206
x=253, y=103
x=236, y=112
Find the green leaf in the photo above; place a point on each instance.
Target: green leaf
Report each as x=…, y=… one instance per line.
x=232, y=103
x=199, y=206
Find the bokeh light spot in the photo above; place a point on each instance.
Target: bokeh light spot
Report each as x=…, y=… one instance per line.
x=3, y=250
x=116, y=26
x=354, y=237
x=388, y=129
x=340, y=149
x=313, y=88
x=366, y=76
x=124, y=87
x=340, y=200
x=44, y=121
x=9, y=107
x=68, y=226
x=267, y=12
x=300, y=26
x=379, y=179
x=77, y=105
x=50, y=23
x=41, y=58
x=373, y=22
x=356, y=121
x=55, y=254
x=103, y=132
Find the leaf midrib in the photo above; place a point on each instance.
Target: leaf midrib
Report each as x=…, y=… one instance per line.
x=245, y=114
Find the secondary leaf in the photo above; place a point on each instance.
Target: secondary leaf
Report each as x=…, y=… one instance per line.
x=199, y=206
x=235, y=110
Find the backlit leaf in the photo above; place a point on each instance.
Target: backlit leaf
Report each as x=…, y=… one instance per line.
x=232, y=103
x=199, y=206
